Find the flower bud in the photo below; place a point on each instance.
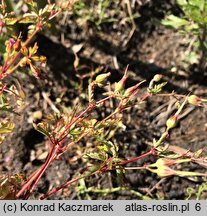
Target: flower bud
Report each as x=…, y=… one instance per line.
x=164, y=171
x=12, y=41
x=171, y=122
x=131, y=90
x=164, y=162
x=9, y=45
x=102, y=77
x=120, y=85
x=157, y=77
x=195, y=100
x=33, y=50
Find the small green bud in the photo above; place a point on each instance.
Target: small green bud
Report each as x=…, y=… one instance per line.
x=171, y=122
x=157, y=77
x=102, y=77
x=195, y=100
x=120, y=85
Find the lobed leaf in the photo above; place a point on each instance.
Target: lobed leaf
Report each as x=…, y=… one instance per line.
x=102, y=156
x=6, y=127
x=10, y=21
x=157, y=88
x=42, y=128
x=174, y=21
x=8, y=186
x=110, y=148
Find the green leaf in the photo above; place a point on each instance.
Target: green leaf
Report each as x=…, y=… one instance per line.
x=2, y=138
x=182, y=2
x=194, y=13
x=31, y=3
x=198, y=3
x=6, y=127
x=2, y=46
x=174, y=21
x=192, y=28
x=102, y=156
x=120, y=175
x=157, y=88
x=29, y=18
x=110, y=148
x=42, y=128
x=202, y=188
x=7, y=108
x=9, y=185
x=10, y=21
x=192, y=57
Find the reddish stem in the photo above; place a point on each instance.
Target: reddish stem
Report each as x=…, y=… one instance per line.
x=4, y=69
x=40, y=174
x=103, y=100
x=62, y=136
x=3, y=89
x=54, y=190
x=34, y=177
x=33, y=181
x=151, y=152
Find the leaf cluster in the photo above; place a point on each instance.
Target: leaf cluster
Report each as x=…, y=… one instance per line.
x=192, y=23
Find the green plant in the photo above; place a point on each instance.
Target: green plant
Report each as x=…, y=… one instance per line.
x=72, y=128
x=95, y=14
x=192, y=23
x=16, y=54
x=83, y=191
x=98, y=12
x=104, y=154
x=197, y=193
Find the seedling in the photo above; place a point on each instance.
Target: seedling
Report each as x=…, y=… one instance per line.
x=192, y=23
